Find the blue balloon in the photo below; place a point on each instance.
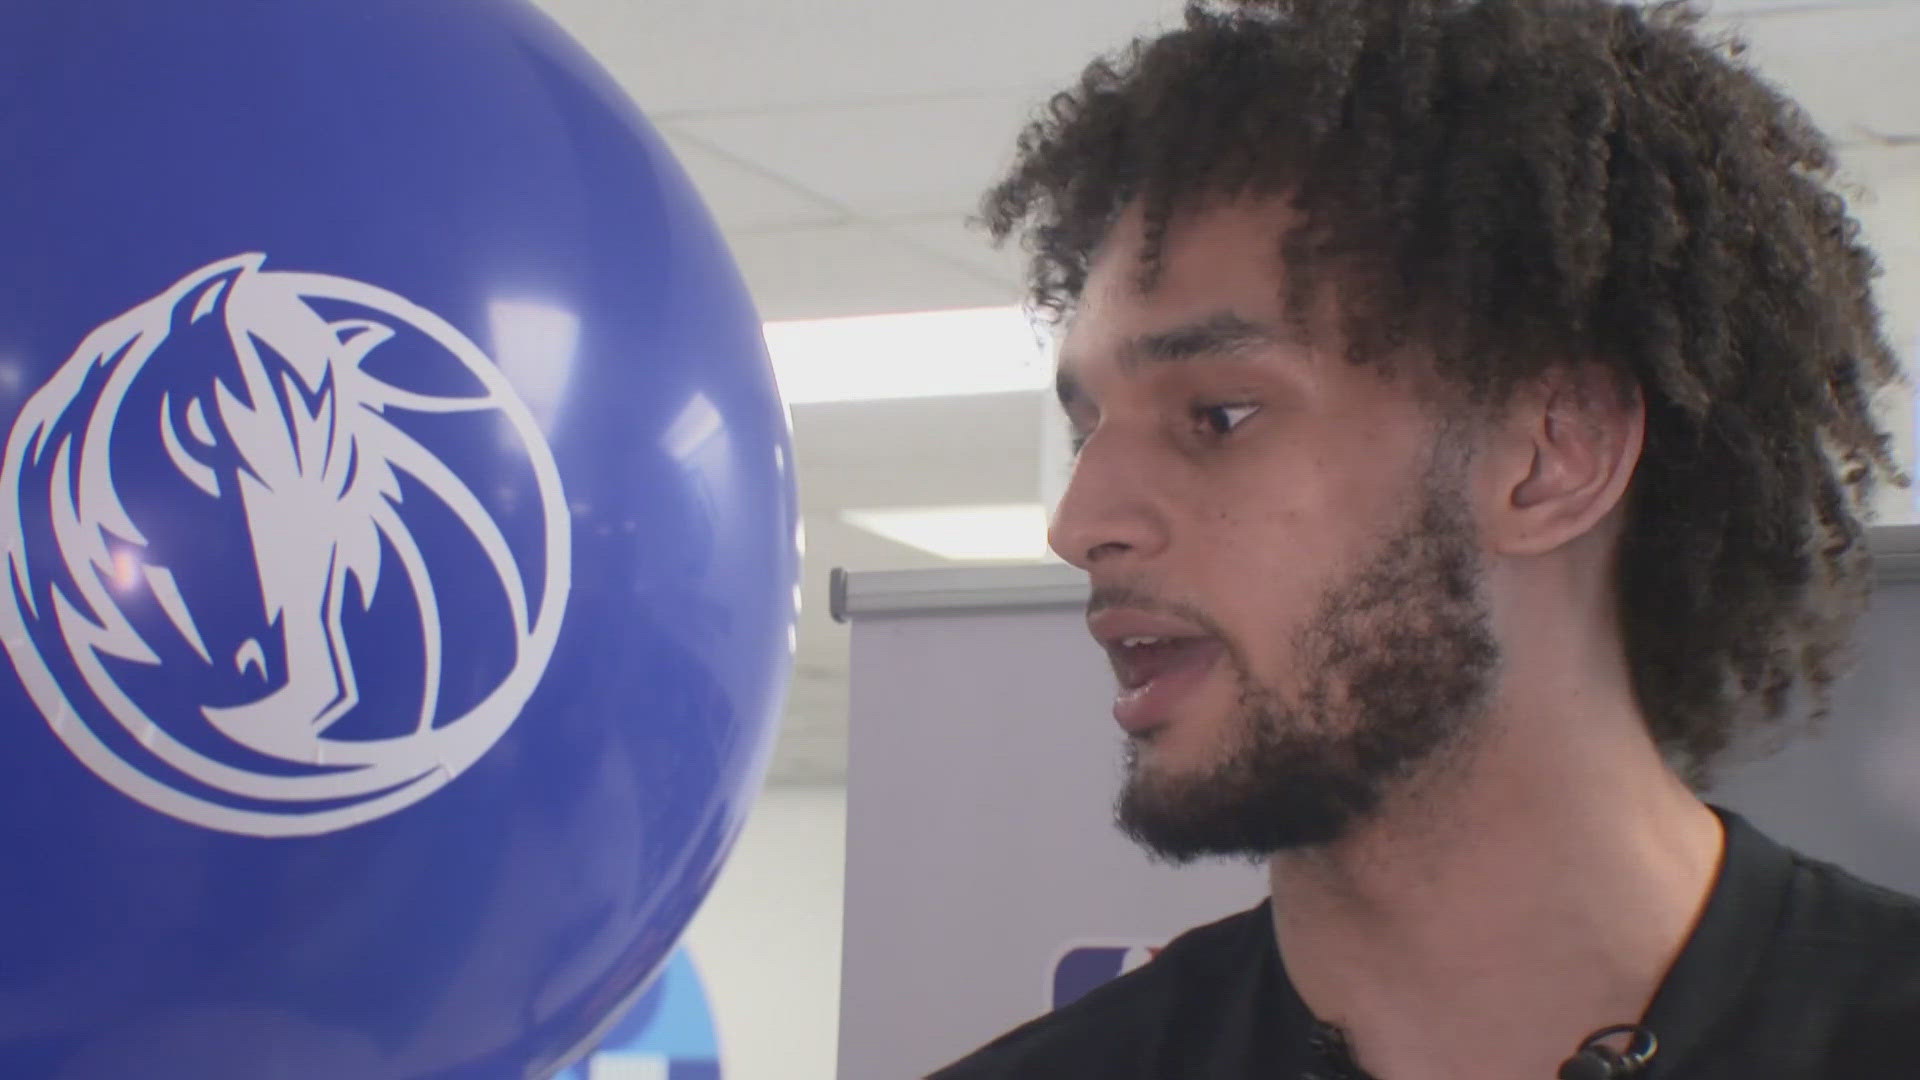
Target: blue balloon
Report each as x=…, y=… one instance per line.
x=399, y=542
x=668, y=1034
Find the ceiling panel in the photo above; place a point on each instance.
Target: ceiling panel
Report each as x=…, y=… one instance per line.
x=691, y=56
x=743, y=198
x=896, y=157
x=1886, y=199
x=853, y=269
x=1886, y=191
x=1898, y=292
x=953, y=236
x=1845, y=63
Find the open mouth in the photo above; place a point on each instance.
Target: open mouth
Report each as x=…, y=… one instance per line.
x=1155, y=675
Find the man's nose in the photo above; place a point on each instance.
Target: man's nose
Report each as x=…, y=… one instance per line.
x=1110, y=508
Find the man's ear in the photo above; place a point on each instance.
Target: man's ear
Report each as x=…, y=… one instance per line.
x=1559, y=459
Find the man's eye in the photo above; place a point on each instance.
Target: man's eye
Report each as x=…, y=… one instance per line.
x=1222, y=419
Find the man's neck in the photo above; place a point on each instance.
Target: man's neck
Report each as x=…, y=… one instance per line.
x=1482, y=928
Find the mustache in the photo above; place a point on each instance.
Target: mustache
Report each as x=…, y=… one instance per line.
x=1137, y=598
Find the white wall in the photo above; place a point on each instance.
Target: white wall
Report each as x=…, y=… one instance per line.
x=767, y=941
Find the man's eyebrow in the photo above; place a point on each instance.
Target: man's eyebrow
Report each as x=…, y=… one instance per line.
x=1221, y=333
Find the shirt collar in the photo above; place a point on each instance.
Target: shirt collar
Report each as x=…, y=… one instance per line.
x=1727, y=947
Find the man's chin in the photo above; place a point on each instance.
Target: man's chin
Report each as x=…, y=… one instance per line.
x=1183, y=810
x=1167, y=813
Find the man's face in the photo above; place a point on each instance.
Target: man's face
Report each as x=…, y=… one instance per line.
x=1283, y=559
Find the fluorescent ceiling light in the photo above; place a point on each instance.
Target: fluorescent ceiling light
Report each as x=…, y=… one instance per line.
x=962, y=533
x=922, y=354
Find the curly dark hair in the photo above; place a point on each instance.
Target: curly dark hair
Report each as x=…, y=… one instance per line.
x=1511, y=184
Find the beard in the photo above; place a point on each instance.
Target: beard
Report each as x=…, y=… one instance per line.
x=1400, y=662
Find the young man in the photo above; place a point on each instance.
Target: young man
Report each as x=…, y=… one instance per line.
x=1472, y=407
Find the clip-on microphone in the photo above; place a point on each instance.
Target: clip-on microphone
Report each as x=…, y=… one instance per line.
x=1598, y=1061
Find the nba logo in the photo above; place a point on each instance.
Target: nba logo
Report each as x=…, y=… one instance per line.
x=1082, y=968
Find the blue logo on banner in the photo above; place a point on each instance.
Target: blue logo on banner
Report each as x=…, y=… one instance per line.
x=1079, y=971
x=667, y=1035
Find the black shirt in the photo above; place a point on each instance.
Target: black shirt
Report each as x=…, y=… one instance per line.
x=1797, y=970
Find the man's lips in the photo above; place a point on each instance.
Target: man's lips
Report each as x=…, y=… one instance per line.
x=1157, y=660
x=1112, y=626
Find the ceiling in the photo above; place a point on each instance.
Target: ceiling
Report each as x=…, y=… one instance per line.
x=842, y=144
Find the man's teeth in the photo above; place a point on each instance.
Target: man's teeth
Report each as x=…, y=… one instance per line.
x=1136, y=642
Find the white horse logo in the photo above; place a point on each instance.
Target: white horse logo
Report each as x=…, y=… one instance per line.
x=216, y=680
